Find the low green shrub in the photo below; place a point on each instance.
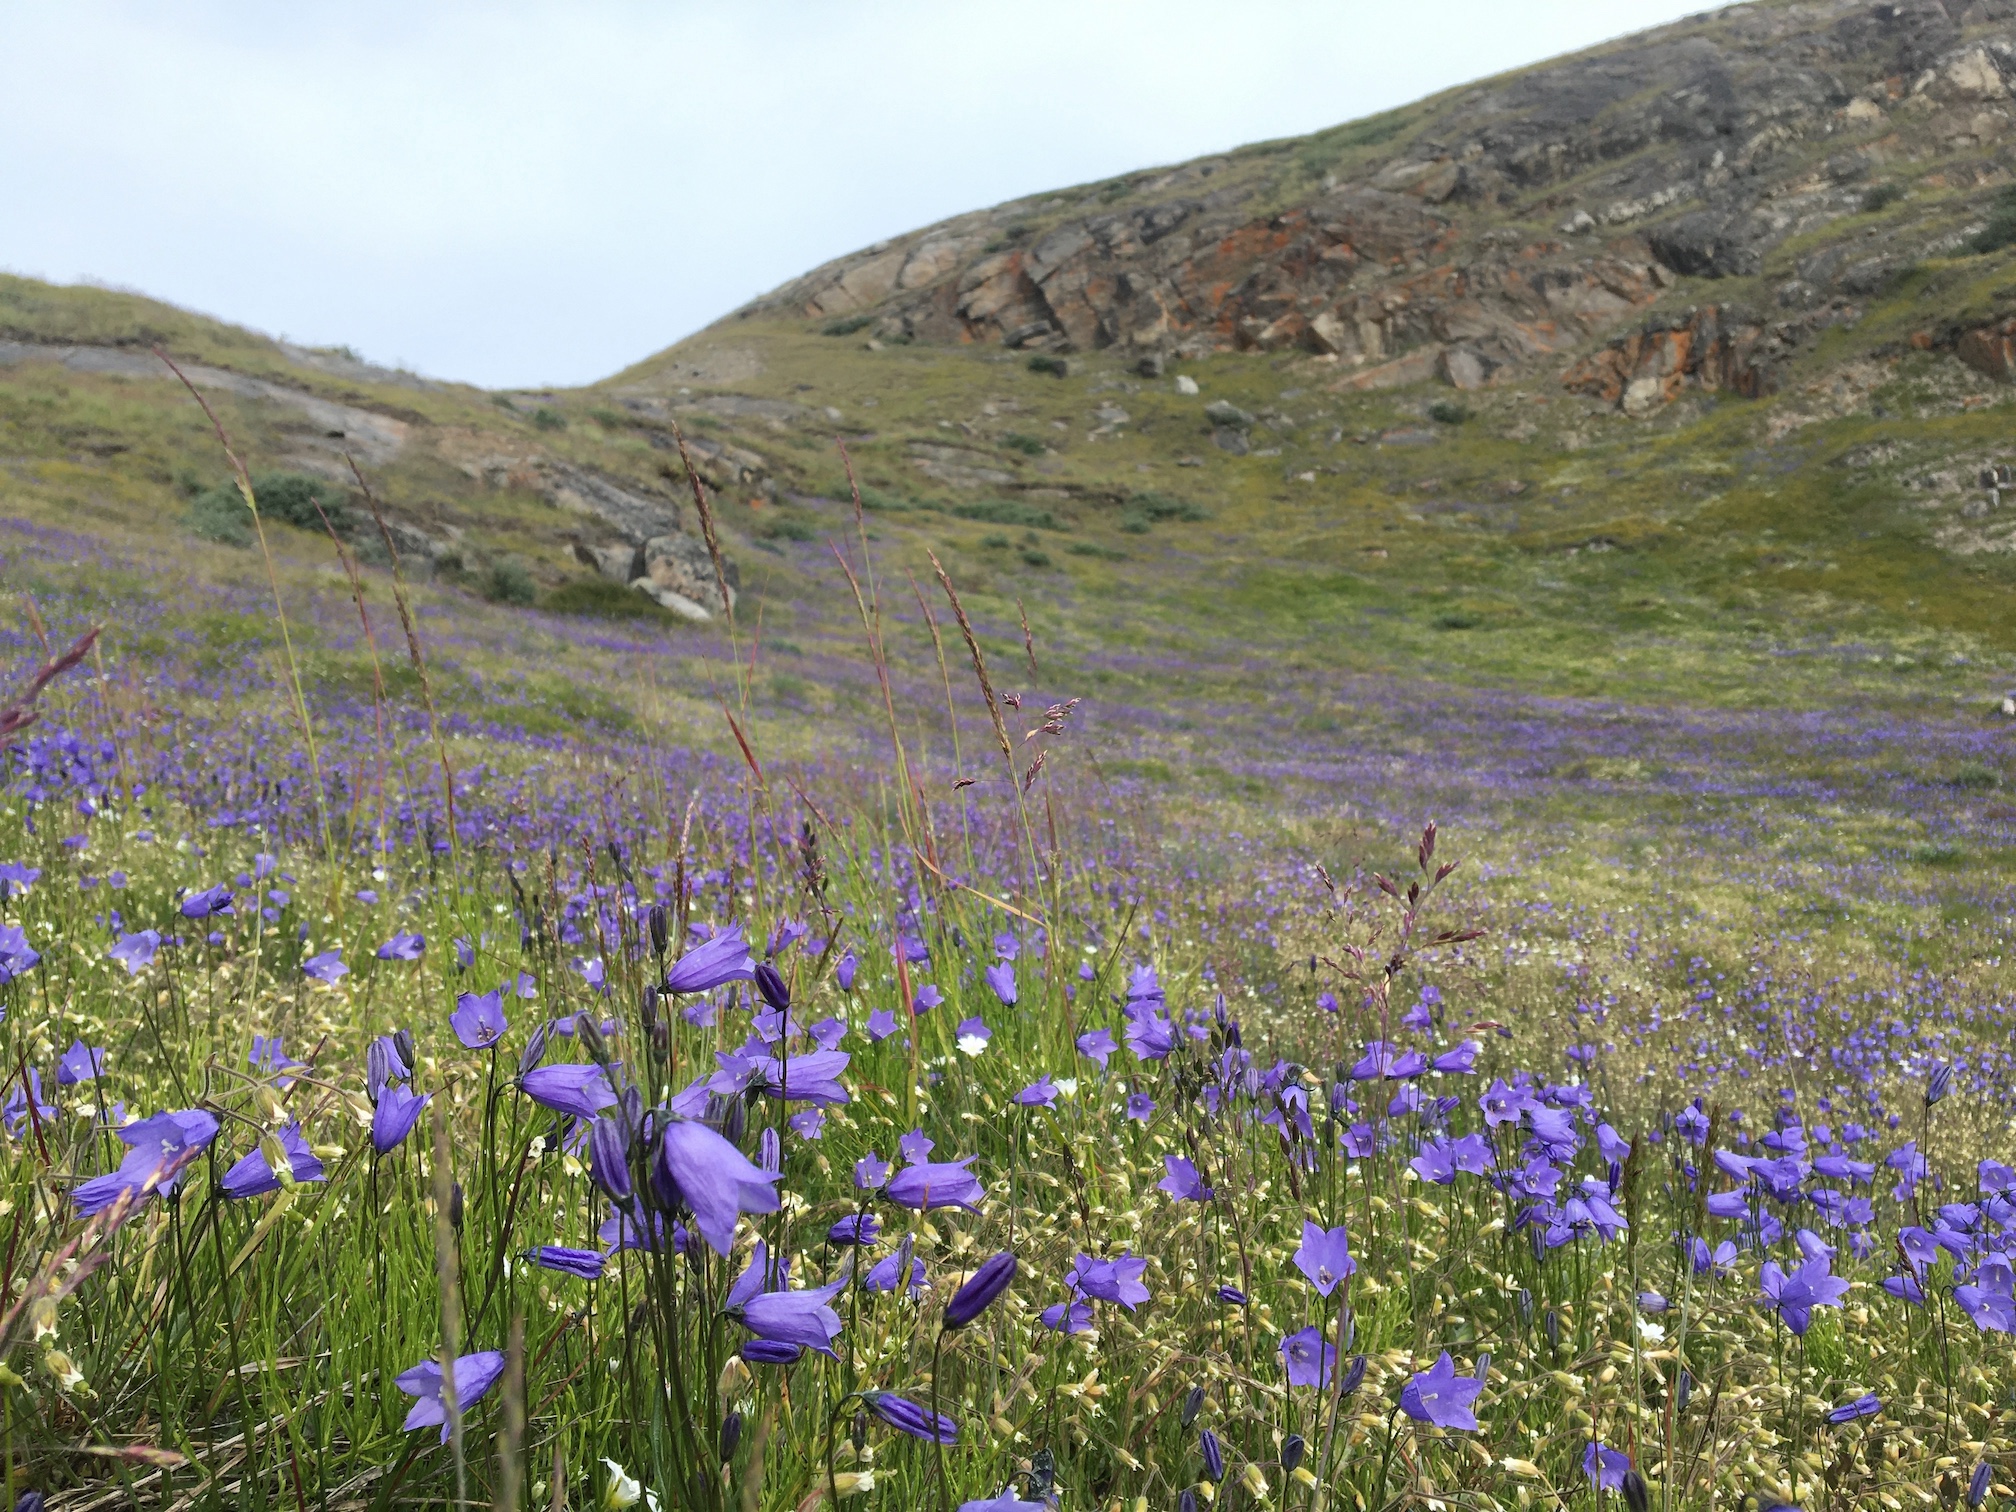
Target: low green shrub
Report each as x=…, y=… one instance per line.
x=1008, y=512
x=508, y=582
x=2000, y=230
x=218, y=514
x=599, y=598
x=1160, y=506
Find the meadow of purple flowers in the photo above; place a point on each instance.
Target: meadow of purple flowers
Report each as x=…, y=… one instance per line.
x=931, y=1094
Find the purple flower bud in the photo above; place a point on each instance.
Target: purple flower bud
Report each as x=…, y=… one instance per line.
x=1232, y=1296
x=1977, y=1486
x=1214, y=1457
x=980, y=1290
x=1193, y=1403
x=770, y=1352
x=608, y=1159
x=1866, y=1405
x=1292, y=1449
x=590, y=1034
x=731, y=1425
x=906, y=1416
x=1940, y=1084
x=585, y=1263
x=770, y=982
x=377, y=1066
x=1354, y=1377
x=535, y=1050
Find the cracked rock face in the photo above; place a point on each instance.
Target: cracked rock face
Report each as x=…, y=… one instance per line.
x=1404, y=247
x=680, y=566
x=1714, y=349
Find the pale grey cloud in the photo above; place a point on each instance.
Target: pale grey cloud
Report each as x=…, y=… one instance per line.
x=543, y=193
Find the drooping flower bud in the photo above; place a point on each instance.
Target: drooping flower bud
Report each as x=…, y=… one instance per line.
x=731, y=1425
x=590, y=1034
x=609, y=1159
x=661, y=940
x=1193, y=1403
x=377, y=1068
x=1354, y=1377
x=1292, y=1449
x=729, y=1115
x=534, y=1051
x=980, y=1290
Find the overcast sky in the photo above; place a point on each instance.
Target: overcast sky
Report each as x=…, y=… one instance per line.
x=520, y=194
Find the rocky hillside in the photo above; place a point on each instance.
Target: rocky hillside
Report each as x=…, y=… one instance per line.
x=1483, y=234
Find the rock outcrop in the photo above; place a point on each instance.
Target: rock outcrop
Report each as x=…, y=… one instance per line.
x=1990, y=349
x=650, y=551
x=1709, y=348
x=1501, y=225
x=675, y=570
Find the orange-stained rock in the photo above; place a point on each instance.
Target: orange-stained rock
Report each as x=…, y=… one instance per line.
x=1711, y=349
x=1989, y=349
